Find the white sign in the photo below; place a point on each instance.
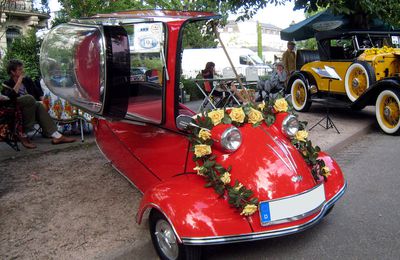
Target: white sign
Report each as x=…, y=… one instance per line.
x=146, y=37
x=395, y=40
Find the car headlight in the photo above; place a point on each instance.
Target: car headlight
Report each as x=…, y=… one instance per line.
x=231, y=139
x=290, y=125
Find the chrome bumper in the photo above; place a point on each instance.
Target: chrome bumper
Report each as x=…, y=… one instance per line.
x=267, y=234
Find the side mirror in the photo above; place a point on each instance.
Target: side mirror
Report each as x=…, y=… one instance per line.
x=183, y=121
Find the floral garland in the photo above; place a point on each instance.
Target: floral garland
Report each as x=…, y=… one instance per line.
x=383, y=50
x=219, y=177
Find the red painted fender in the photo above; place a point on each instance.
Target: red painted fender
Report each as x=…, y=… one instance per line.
x=335, y=180
x=192, y=209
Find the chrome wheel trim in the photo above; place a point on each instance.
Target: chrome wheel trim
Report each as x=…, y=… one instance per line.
x=166, y=239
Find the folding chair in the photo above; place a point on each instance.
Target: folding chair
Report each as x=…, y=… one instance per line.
x=7, y=129
x=251, y=74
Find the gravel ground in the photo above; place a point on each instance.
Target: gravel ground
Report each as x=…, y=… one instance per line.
x=67, y=205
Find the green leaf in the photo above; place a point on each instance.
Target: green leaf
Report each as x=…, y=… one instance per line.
x=226, y=120
x=208, y=185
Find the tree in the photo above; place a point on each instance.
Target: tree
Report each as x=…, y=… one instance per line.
x=26, y=48
x=359, y=11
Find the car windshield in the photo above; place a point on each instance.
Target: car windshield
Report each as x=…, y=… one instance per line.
x=256, y=59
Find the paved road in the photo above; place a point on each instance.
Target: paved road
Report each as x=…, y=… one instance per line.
x=363, y=225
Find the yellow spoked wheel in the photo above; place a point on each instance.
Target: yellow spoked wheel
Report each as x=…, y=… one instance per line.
x=299, y=93
x=388, y=111
x=358, y=79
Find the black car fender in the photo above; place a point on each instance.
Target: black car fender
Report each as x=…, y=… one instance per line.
x=307, y=77
x=370, y=95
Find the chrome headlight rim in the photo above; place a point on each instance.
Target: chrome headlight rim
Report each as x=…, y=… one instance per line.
x=227, y=144
x=290, y=125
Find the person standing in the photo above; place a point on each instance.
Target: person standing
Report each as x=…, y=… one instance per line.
x=289, y=58
x=32, y=110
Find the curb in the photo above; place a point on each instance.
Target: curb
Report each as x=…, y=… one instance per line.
x=352, y=138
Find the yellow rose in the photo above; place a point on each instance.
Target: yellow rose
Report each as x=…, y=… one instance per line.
x=249, y=209
x=216, y=116
x=255, y=116
x=199, y=170
x=238, y=187
x=301, y=135
x=202, y=149
x=237, y=115
x=261, y=106
x=281, y=105
x=325, y=171
x=226, y=178
x=204, y=134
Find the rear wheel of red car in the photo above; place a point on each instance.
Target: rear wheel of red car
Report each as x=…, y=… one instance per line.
x=387, y=111
x=165, y=241
x=300, y=95
x=359, y=77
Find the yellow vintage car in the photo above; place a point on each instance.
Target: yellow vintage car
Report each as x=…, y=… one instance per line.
x=357, y=68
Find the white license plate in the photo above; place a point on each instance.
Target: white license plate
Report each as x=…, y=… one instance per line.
x=279, y=210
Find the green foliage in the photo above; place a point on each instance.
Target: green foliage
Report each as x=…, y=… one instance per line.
x=309, y=44
x=198, y=35
x=26, y=49
x=61, y=18
x=360, y=11
x=191, y=89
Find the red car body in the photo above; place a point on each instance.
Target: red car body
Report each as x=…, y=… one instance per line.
x=157, y=159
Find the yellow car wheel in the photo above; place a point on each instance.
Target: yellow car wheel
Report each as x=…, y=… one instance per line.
x=300, y=95
x=358, y=78
x=388, y=111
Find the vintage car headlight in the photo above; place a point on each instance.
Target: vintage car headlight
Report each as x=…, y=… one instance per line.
x=231, y=139
x=290, y=125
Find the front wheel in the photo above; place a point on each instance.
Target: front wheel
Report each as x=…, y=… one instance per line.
x=165, y=241
x=387, y=111
x=300, y=95
x=359, y=77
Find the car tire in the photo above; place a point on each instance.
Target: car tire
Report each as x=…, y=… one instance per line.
x=300, y=96
x=387, y=111
x=165, y=241
x=359, y=77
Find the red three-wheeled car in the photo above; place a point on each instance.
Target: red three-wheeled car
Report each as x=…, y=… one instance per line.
x=140, y=128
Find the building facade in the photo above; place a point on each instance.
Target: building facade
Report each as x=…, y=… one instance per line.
x=17, y=17
x=244, y=34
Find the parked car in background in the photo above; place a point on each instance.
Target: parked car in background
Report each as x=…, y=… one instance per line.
x=142, y=128
x=358, y=68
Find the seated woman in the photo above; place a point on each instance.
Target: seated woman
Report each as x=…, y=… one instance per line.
x=221, y=88
x=273, y=85
x=32, y=111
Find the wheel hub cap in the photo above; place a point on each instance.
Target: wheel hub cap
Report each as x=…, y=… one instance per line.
x=355, y=83
x=166, y=239
x=387, y=112
x=298, y=94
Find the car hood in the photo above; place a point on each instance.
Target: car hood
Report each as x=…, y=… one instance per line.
x=371, y=56
x=268, y=164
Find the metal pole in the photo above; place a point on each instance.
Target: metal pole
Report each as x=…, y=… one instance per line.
x=231, y=63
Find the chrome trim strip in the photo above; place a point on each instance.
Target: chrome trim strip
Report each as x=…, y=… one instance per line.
x=268, y=234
